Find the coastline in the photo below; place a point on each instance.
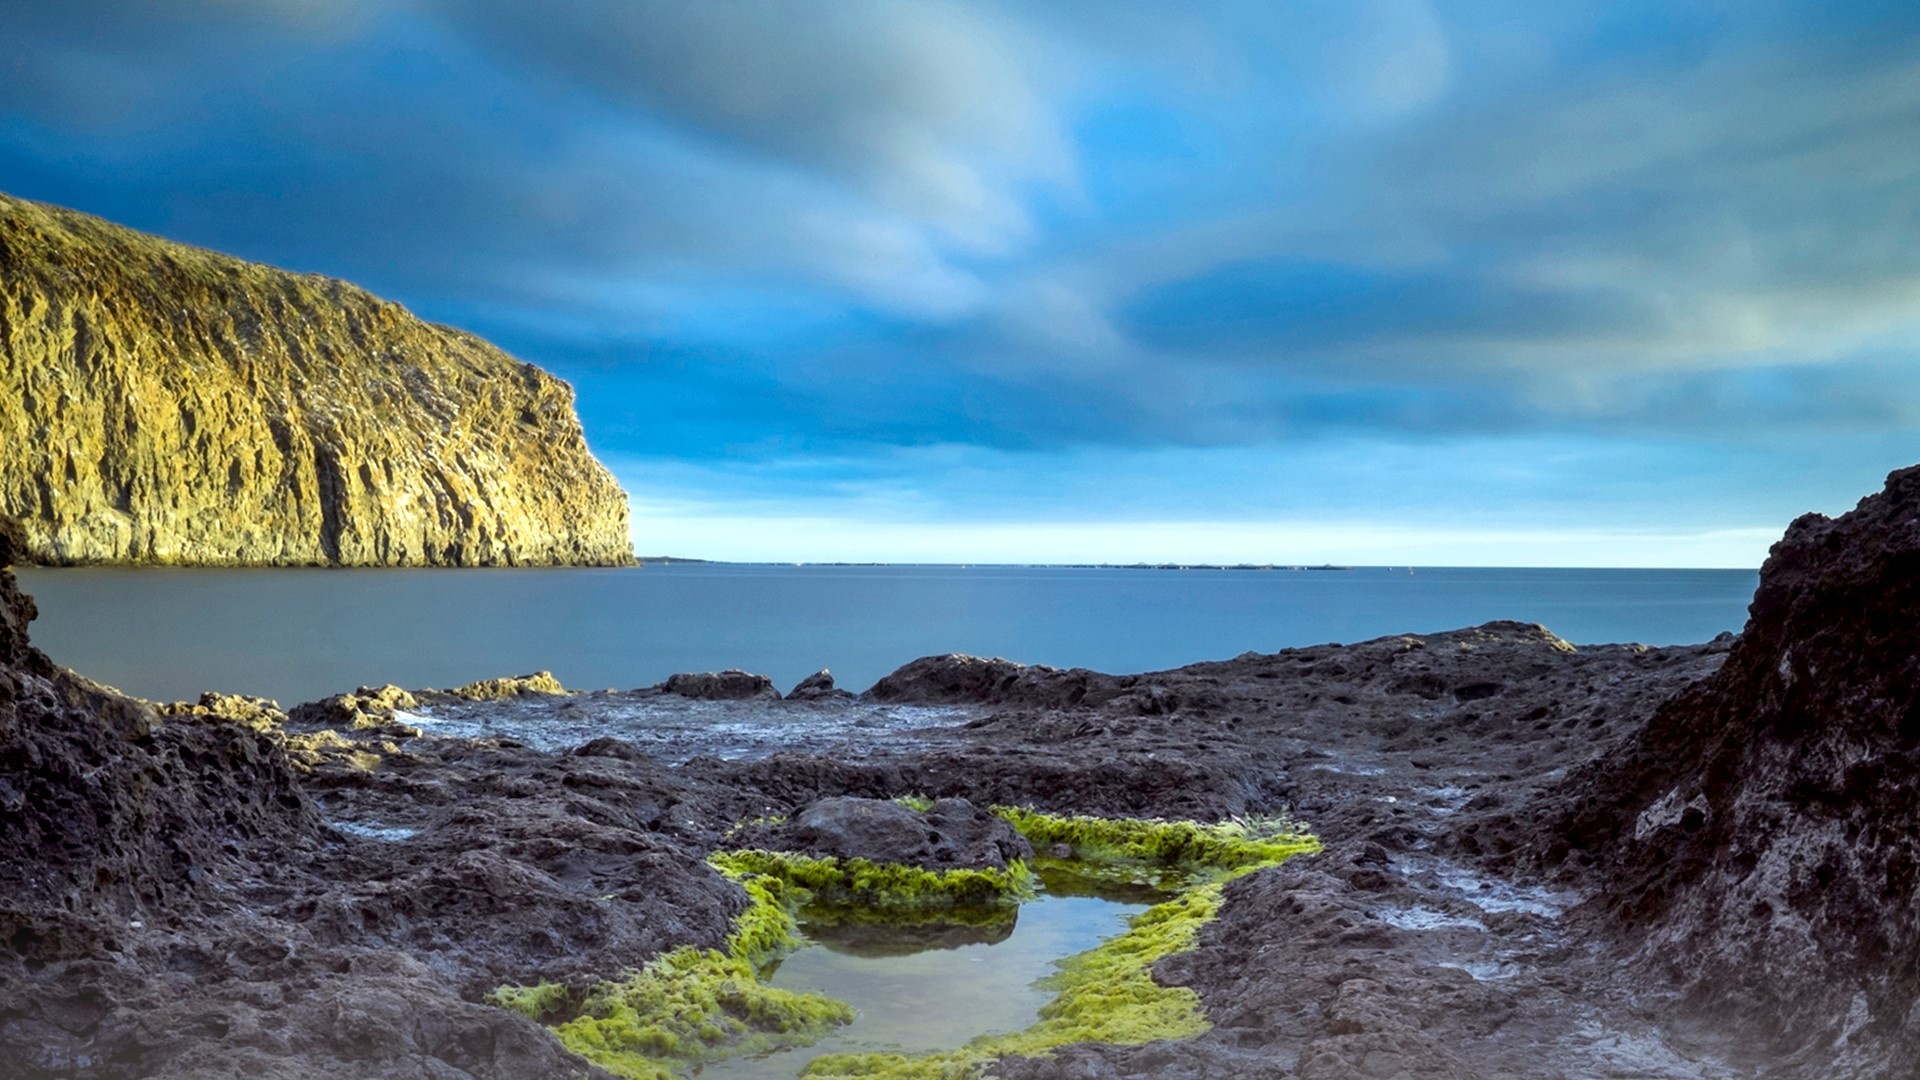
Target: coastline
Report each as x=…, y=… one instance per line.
x=1491, y=842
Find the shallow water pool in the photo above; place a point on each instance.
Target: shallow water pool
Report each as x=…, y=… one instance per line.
x=935, y=987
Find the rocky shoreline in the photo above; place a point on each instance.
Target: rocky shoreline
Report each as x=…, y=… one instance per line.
x=1539, y=860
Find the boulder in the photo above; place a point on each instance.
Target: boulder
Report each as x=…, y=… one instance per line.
x=818, y=687
x=729, y=685
x=257, y=713
x=368, y=709
x=958, y=679
x=538, y=683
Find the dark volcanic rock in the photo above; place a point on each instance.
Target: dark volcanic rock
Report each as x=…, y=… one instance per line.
x=952, y=833
x=354, y=930
x=818, y=687
x=171, y=904
x=1761, y=836
x=729, y=685
x=957, y=679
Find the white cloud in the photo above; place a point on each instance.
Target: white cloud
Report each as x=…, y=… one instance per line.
x=940, y=112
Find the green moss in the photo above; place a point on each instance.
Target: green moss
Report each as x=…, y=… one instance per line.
x=1181, y=849
x=919, y=804
x=695, y=1005
x=1107, y=994
x=889, y=890
x=692, y=1005
x=544, y=1002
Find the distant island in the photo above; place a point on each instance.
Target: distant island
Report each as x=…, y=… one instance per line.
x=168, y=405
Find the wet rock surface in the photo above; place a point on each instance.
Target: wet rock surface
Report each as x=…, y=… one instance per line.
x=1541, y=860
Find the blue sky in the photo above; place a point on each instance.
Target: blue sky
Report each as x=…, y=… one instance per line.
x=1380, y=281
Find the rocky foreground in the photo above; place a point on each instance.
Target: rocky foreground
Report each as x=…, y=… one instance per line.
x=161, y=404
x=1540, y=860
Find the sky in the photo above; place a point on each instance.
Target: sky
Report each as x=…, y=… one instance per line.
x=1359, y=281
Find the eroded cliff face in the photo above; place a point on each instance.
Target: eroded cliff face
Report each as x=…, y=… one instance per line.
x=165, y=404
x=1760, y=838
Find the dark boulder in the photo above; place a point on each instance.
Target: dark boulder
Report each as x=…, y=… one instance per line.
x=957, y=679
x=729, y=685
x=818, y=687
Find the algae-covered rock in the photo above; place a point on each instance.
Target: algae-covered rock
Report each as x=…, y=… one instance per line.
x=165, y=404
x=368, y=709
x=540, y=683
x=257, y=713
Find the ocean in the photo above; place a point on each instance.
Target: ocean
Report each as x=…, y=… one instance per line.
x=298, y=635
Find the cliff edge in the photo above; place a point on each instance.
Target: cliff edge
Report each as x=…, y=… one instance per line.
x=164, y=404
x=1759, y=839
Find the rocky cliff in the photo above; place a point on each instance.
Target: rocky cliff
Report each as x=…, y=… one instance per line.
x=164, y=404
x=1759, y=839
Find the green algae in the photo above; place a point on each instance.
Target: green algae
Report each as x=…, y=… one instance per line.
x=544, y=1002
x=889, y=890
x=1108, y=994
x=690, y=1006
x=1136, y=848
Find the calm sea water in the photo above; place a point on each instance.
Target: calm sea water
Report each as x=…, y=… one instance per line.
x=296, y=635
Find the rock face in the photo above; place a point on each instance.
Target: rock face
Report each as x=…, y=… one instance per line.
x=1767, y=820
x=164, y=404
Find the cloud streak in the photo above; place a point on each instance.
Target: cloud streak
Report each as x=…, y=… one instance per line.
x=756, y=234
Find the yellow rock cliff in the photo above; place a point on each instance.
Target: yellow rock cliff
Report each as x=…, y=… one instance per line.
x=162, y=404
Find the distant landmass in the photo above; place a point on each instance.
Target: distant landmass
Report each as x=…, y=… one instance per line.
x=165, y=404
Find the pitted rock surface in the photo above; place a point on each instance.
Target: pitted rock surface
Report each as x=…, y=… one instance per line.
x=1768, y=819
x=951, y=834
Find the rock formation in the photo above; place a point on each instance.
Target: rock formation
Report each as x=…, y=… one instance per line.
x=1760, y=837
x=164, y=404
x=175, y=906
x=729, y=685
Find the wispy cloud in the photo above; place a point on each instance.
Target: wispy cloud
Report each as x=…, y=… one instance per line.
x=911, y=236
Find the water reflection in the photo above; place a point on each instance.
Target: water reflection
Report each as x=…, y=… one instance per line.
x=934, y=986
